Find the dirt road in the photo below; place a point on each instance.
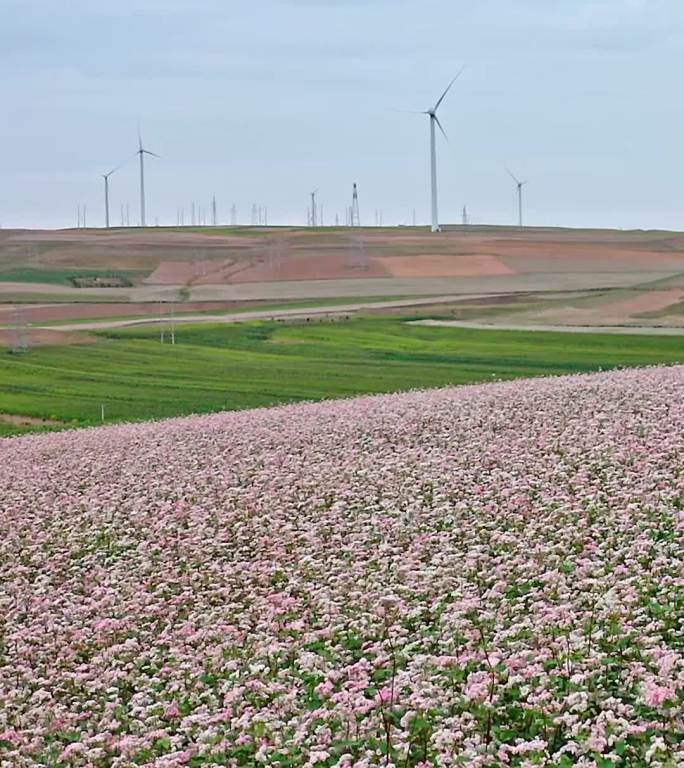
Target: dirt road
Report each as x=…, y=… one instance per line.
x=301, y=313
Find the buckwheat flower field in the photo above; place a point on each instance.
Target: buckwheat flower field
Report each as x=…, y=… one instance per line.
x=483, y=576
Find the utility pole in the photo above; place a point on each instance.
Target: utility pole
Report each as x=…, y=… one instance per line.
x=173, y=325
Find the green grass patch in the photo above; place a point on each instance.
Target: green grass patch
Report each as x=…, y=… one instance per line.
x=225, y=367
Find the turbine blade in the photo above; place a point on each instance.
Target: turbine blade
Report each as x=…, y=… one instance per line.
x=436, y=119
x=409, y=111
x=512, y=175
x=147, y=152
x=448, y=88
x=114, y=170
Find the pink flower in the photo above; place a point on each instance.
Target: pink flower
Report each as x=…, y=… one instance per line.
x=172, y=711
x=10, y=735
x=655, y=695
x=477, y=686
x=71, y=750
x=325, y=688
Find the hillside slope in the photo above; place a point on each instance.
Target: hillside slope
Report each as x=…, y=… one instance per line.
x=477, y=576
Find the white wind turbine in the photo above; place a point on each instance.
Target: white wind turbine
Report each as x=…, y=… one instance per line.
x=434, y=122
x=519, y=184
x=141, y=153
x=106, y=176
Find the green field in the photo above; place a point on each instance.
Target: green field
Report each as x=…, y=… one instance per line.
x=217, y=367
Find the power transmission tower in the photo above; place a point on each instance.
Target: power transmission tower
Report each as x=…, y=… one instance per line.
x=357, y=254
x=19, y=341
x=355, y=217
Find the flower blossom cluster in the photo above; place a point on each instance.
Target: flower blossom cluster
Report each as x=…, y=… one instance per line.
x=482, y=576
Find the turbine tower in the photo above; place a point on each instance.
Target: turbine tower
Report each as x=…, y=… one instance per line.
x=519, y=184
x=313, y=208
x=141, y=154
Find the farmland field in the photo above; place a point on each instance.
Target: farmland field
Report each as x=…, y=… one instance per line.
x=481, y=576
x=225, y=367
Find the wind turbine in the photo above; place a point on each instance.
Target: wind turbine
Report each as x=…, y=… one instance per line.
x=106, y=176
x=313, y=208
x=434, y=122
x=519, y=184
x=141, y=153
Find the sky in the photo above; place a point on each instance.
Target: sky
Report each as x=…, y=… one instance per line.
x=264, y=101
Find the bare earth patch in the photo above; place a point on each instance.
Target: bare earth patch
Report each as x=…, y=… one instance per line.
x=42, y=337
x=626, y=310
x=440, y=265
x=27, y=421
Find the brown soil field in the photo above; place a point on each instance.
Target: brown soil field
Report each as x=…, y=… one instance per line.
x=226, y=265
x=622, y=310
x=327, y=266
x=42, y=337
x=442, y=265
x=46, y=313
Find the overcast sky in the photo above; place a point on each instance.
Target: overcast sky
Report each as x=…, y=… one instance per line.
x=264, y=101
